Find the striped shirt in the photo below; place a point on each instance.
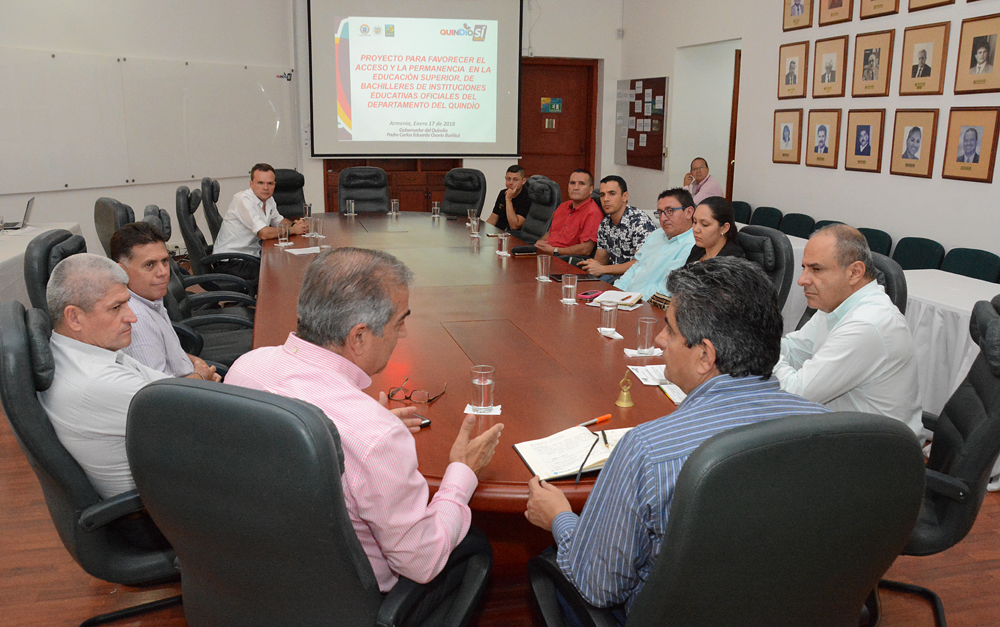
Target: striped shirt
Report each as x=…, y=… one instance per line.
x=387, y=498
x=154, y=341
x=609, y=551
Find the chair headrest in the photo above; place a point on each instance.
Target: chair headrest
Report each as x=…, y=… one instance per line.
x=465, y=181
x=286, y=178
x=363, y=178
x=984, y=326
x=66, y=248
x=215, y=191
x=759, y=249
x=540, y=190
x=158, y=218
x=43, y=366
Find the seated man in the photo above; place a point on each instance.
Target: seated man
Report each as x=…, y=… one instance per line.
x=721, y=340
x=352, y=309
x=666, y=249
x=141, y=250
x=700, y=183
x=252, y=216
x=856, y=353
x=574, y=224
x=513, y=202
x=620, y=234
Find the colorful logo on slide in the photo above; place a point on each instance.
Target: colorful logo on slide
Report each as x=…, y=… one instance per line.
x=364, y=29
x=478, y=33
x=390, y=30
x=342, y=53
x=378, y=30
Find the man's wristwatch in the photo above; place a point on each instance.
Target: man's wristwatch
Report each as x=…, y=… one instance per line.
x=555, y=251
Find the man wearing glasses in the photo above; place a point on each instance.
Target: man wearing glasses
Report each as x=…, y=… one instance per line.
x=700, y=183
x=352, y=310
x=665, y=249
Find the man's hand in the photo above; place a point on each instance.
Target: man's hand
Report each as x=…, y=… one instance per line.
x=298, y=227
x=403, y=413
x=688, y=179
x=204, y=371
x=510, y=193
x=544, y=247
x=477, y=453
x=545, y=501
x=592, y=267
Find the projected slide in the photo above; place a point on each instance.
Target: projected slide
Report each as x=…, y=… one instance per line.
x=413, y=79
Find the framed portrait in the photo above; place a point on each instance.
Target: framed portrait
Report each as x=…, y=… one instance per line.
x=787, y=136
x=977, y=51
x=913, y=135
x=917, y=5
x=835, y=11
x=829, y=67
x=798, y=14
x=822, y=138
x=793, y=70
x=872, y=63
x=924, y=50
x=971, y=145
x=863, y=141
x=878, y=8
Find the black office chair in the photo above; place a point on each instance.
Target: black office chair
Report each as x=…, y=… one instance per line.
x=825, y=223
x=90, y=528
x=797, y=225
x=367, y=187
x=879, y=241
x=210, y=201
x=889, y=275
x=766, y=216
x=464, y=189
x=972, y=262
x=918, y=253
x=545, y=197
x=247, y=487
x=222, y=322
x=965, y=446
x=203, y=261
x=109, y=215
x=770, y=249
x=742, y=211
x=41, y=257
x=786, y=522
x=289, y=195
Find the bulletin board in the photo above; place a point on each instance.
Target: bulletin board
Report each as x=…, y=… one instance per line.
x=640, y=121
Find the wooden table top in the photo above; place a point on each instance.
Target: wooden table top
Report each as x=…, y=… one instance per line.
x=469, y=306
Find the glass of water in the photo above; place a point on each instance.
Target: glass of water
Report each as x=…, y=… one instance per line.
x=394, y=207
x=283, y=234
x=503, y=244
x=645, y=336
x=474, y=222
x=482, y=388
x=569, y=288
x=349, y=205
x=609, y=317
x=435, y=209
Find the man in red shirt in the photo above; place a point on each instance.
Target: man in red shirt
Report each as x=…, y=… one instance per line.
x=574, y=223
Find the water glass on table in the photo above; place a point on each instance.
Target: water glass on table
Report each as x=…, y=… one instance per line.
x=470, y=213
x=394, y=207
x=645, y=336
x=474, y=229
x=435, y=209
x=482, y=388
x=282, y=234
x=609, y=318
x=544, y=262
x=349, y=206
x=503, y=244
x=316, y=226
x=569, y=289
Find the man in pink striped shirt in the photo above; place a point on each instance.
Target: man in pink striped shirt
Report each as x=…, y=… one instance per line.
x=352, y=309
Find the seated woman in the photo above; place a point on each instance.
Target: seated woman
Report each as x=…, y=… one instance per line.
x=714, y=231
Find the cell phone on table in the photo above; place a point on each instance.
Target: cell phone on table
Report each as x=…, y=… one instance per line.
x=451, y=218
x=590, y=295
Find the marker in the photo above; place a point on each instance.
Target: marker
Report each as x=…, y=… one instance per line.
x=595, y=421
x=424, y=422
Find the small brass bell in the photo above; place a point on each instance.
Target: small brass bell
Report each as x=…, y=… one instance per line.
x=625, y=398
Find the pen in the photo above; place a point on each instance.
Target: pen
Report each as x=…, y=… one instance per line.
x=605, y=436
x=424, y=422
x=595, y=421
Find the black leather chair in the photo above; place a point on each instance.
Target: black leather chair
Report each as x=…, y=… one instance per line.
x=742, y=210
x=918, y=253
x=199, y=251
x=109, y=215
x=216, y=333
x=766, y=216
x=879, y=241
x=972, y=262
x=41, y=257
x=210, y=200
x=90, y=528
x=825, y=223
x=367, y=187
x=545, y=197
x=780, y=523
x=965, y=447
x=247, y=487
x=464, y=189
x=889, y=275
x=289, y=194
x=770, y=249
x=797, y=225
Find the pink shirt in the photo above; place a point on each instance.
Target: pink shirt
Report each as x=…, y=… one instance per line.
x=706, y=189
x=401, y=532
x=574, y=226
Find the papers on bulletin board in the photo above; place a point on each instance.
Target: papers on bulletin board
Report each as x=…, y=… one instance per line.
x=642, y=140
x=638, y=106
x=631, y=143
x=649, y=95
x=631, y=122
x=638, y=87
x=648, y=111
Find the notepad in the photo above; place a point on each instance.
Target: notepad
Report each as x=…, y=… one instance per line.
x=624, y=299
x=560, y=455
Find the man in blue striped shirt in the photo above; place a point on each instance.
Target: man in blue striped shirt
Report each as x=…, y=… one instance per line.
x=722, y=339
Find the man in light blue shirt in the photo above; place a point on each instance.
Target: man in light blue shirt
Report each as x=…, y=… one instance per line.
x=664, y=250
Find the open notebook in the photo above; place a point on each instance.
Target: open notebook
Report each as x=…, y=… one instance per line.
x=561, y=454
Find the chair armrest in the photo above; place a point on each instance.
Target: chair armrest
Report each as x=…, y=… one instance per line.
x=203, y=299
x=219, y=318
x=547, y=580
x=930, y=421
x=214, y=277
x=191, y=341
x=398, y=602
x=110, y=510
x=946, y=485
x=211, y=260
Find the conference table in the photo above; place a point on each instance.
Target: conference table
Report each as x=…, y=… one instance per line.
x=470, y=306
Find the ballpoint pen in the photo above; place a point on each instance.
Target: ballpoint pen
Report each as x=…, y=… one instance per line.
x=595, y=421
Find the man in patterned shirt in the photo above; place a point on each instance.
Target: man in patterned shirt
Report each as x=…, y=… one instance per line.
x=721, y=341
x=620, y=234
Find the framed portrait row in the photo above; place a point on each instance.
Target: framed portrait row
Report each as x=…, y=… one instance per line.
x=970, y=143
x=922, y=69
x=799, y=13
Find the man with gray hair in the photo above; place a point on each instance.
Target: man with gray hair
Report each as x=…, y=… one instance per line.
x=856, y=353
x=352, y=310
x=94, y=381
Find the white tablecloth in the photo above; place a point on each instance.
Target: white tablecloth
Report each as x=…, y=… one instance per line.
x=12, y=247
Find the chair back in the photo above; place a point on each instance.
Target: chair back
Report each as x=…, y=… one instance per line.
x=42, y=256
x=971, y=262
x=210, y=198
x=766, y=216
x=918, y=253
x=109, y=216
x=187, y=202
x=545, y=197
x=289, y=195
x=27, y=367
x=464, y=189
x=157, y=217
x=879, y=241
x=246, y=486
x=771, y=250
x=785, y=522
x=797, y=225
x=825, y=223
x=742, y=211
x=367, y=187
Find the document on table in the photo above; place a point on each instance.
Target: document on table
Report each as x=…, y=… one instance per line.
x=312, y=250
x=654, y=375
x=560, y=455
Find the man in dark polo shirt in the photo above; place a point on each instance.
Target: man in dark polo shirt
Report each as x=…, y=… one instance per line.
x=621, y=233
x=574, y=223
x=512, y=202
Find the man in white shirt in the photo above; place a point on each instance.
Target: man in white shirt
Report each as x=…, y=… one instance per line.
x=856, y=353
x=141, y=250
x=700, y=183
x=252, y=216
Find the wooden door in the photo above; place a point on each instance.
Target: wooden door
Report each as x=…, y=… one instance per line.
x=556, y=143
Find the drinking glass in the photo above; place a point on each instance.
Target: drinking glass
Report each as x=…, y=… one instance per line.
x=394, y=207
x=470, y=213
x=569, y=288
x=317, y=227
x=283, y=234
x=503, y=247
x=435, y=209
x=349, y=205
x=544, y=263
x=482, y=387
x=645, y=335
x=475, y=226
x=307, y=216
x=609, y=316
